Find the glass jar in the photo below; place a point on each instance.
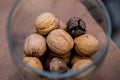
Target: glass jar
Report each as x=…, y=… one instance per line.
x=21, y=24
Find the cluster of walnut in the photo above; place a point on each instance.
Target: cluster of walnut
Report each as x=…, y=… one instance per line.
x=59, y=47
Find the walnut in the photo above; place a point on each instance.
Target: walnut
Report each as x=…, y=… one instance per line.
x=33, y=62
x=35, y=45
x=55, y=64
x=66, y=59
x=59, y=41
x=46, y=22
x=75, y=59
x=76, y=27
x=62, y=25
x=80, y=64
x=58, y=65
x=86, y=45
x=66, y=55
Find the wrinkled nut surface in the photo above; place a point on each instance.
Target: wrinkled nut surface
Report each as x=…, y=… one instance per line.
x=62, y=25
x=81, y=64
x=51, y=53
x=65, y=57
x=46, y=22
x=75, y=59
x=35, y=45
x=33, y=62
x=76, y=27
x=86, y=45
x=58, y=65
x=59, y=41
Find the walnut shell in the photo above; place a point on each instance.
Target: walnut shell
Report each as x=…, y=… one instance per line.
x=33, y=62
x=66, y=59
x=58, y=65
x=59, y=41
x=66, y=55
x=62, y=25
x=35, y=45
x=86, y=45
x=46, y=22
x=81, y=64
x=77, y=57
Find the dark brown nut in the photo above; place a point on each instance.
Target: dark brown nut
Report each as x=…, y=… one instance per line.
x=33, y=62
x=35, y=45
x=46, y=22
x=54, y=64
x=59, y=41
x=46, y=63
x=86, y=45
x=76, y=27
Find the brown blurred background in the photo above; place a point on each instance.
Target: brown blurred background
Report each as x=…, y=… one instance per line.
x=113, y=7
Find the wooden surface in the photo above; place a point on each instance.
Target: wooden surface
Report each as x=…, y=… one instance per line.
x=110, y=69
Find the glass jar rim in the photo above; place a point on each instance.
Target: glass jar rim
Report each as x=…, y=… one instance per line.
x=58, y=75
